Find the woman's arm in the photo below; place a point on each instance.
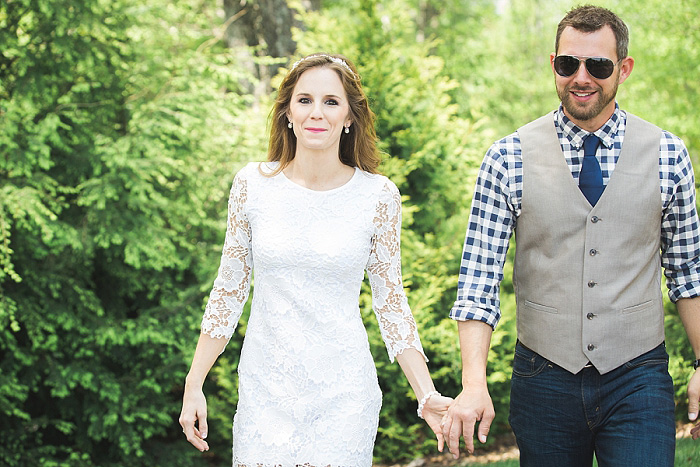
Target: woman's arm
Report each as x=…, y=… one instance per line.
x=223, y=310
x=193, y=417
x=396, y=322
x=414, y=367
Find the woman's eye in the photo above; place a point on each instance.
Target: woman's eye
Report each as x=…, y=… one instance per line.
x=304, y=100
x=332, y=102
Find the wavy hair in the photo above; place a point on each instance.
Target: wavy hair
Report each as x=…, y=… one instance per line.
x=357, y=148
x=590, y=18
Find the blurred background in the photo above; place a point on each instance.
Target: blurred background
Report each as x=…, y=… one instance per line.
x=122, y=123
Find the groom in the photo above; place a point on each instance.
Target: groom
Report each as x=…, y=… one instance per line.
x=599, y=200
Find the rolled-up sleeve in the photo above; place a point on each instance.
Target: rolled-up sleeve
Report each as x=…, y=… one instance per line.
x=495, y=207
x=680, y=236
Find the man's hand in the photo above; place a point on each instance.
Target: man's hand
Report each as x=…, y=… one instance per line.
x=694, y=403
x=471, y=406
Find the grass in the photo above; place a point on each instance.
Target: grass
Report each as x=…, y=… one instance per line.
x=687, y=452
x=687, y=455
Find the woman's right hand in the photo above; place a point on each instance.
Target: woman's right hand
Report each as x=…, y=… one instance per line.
x=194, y=409
x=433, y=412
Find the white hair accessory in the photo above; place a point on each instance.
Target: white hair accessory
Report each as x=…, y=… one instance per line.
x=336, y=60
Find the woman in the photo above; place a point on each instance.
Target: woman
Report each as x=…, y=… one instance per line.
x=311, y=220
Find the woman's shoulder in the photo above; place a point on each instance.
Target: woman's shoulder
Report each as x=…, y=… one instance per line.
x=256, y=170
x=381, y=183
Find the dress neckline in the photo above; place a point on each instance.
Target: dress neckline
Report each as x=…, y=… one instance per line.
x=332, y=190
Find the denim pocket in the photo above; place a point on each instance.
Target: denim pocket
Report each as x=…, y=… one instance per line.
x=656, y=356
x=527, y=363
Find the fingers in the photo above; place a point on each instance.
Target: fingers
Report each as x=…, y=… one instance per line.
x=694, y=396
x=483, y=432
x=203, y=428
x=194, y=435
x=468, y=430
x=454, y=431
x=443, y=423
x=440, y=441
x=485, y=425
x=692, y=406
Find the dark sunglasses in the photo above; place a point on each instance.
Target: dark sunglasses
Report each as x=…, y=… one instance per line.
x=598, y=67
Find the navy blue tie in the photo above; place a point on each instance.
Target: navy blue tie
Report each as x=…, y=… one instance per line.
x=591, y=178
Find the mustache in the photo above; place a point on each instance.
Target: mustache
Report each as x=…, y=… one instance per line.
x=579, y=89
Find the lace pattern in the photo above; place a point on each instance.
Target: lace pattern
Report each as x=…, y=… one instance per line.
x=396, y=321
x=232, y=284
x=281, y=465
x=308, y=390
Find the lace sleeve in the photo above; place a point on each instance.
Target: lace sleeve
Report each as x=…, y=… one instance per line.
x=389, y=301
x=232, y=283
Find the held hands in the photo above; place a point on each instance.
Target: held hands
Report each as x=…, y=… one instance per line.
x=471, y=406
x=194, y=409
x=434, y=410
x=694, y=403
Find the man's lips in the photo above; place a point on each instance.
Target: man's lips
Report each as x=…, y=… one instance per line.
x=582, y=94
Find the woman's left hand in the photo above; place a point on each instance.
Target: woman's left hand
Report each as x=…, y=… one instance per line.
x=433, y=412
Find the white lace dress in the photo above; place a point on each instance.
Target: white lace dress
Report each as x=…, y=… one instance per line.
x=308, y=390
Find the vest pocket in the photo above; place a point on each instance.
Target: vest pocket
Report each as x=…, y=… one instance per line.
x=639, y=307
x=537, y=307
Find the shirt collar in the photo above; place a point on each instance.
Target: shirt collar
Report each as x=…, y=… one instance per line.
x=576, y=135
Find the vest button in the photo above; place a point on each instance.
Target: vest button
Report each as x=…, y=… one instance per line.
x=591, y=347
x=595, y=219
x=591, y=284
x=590, y=315
x=593, y=252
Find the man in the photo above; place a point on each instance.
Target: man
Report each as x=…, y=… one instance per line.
x=590, y=216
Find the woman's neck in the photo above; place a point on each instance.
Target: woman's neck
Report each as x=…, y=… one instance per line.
x=318, y=173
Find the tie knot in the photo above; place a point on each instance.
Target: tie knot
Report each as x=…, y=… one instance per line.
x=590, y=144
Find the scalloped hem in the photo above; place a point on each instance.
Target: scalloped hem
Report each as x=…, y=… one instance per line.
x=237, y=464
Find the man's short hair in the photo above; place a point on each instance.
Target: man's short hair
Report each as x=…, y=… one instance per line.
x=590, y=18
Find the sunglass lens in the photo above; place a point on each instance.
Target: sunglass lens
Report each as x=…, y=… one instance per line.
x=566, y=65
x=599, y=67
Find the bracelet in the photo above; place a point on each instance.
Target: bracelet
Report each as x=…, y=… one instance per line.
x=424, y=400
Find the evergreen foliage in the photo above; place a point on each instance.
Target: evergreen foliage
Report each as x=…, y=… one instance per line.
x=116, y=129
x=121, y=125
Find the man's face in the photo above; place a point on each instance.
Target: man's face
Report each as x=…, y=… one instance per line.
x=588, y=101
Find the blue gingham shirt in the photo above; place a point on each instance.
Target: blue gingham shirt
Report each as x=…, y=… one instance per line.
x=497, y=202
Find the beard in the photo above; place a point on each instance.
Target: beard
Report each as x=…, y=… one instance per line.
x=588, y=110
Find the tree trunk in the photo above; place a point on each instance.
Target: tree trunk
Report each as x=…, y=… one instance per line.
x=262, y=28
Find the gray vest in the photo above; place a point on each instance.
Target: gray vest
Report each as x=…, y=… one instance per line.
x=588, y=280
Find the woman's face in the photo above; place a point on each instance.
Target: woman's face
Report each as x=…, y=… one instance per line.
x=319, y=110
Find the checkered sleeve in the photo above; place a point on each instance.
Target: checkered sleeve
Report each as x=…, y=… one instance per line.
x=494, y=210
x=680, y=232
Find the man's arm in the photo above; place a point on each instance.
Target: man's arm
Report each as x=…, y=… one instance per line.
x=689, y=311
x=474, y=402
x=494, y=210
x=680, y=252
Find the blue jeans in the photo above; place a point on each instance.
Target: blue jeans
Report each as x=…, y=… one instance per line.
x=625, y=416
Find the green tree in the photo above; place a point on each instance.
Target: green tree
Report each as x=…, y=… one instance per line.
x=430, y=152
x=117, y=123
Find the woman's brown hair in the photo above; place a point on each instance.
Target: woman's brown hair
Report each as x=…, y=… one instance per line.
x=357, y=148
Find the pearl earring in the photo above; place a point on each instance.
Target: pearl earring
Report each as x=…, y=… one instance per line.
x=289, y=125
x=347, y=130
